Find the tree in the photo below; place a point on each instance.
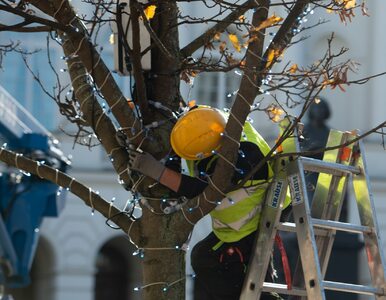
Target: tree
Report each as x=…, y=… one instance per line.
x=146, y=121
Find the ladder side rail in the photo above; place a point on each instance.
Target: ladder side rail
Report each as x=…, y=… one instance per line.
x=325, y=243
x=258, y=265
x=334, y=205
x=367, y=215
x=262, y=249
x=305, y=232
x=324, y=189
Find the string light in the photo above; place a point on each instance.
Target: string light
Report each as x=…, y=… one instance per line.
x=59, y=191
x=165, y=286
x=255, y=106
x=240, y=171
x=241, y=152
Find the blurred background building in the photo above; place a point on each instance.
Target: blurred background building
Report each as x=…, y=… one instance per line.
x=79, y=257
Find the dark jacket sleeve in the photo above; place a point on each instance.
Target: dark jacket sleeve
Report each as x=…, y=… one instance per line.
x=191, y=187
x=249, y=155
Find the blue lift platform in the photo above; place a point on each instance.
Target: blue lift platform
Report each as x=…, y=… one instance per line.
x=24, y=199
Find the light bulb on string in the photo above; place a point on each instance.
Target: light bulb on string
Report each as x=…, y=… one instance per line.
x=25, y=173
x=240, y=171
x=59, y=191
x=139, y=252
x=255, y=106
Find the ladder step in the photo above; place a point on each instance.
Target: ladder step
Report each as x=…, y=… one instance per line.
x=347, y=227
x=327, y=224
x=286, y=226
x=291, y=227
x=320, y=166
x=270, y=287
x=279, y=288
x=352, y=288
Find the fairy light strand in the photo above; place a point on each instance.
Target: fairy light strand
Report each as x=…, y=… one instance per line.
x=70, y=184
x=38, y=165
x=113, y=150
x=91, y=201
x=16, y=160
x=187, y=219
x=110, y=207
x=224, y=134
x=60, y=7
x=166, y=285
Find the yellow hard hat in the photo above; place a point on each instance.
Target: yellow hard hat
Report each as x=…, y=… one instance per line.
x=197, y=133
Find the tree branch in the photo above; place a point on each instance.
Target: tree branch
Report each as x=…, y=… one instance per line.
x=93, y=113
x=89, y=197
x=94, y=64
x=16, y=28
x=204, y=38
x=34, y=19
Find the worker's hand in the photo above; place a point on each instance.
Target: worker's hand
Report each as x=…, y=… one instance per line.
x=146, y=164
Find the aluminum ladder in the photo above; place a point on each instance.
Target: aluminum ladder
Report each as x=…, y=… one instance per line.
x=316, y=226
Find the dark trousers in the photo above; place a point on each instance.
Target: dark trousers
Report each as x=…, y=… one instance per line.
x=220, y=273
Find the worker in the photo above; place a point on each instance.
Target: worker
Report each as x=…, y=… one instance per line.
x=220, y=260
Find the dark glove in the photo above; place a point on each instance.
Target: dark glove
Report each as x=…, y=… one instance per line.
x=146, y=164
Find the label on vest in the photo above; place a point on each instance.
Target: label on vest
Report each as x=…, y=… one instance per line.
x=277, y=188
x=296, y=190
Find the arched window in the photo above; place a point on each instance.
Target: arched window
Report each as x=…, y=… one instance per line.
x=116, y=271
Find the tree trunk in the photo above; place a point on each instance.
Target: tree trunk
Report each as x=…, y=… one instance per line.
x=163, y=256
x=164, y=267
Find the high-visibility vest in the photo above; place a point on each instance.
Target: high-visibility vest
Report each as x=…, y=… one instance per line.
x=238, y=214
